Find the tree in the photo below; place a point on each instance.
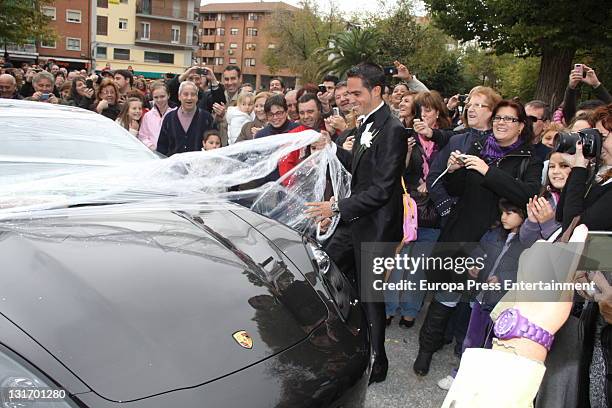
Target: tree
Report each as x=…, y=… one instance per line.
x=22, y=21
x=550, y=30
x=298, y=34
x=346, y=50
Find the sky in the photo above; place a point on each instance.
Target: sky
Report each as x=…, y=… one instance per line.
x=349, y=7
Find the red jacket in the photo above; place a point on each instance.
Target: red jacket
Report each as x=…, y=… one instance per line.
x=292, y=159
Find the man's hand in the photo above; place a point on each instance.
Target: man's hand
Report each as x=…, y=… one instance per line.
x=335, y=122
x=325, y=98
x=210, y=77
x=319, y=210
x=591, y=78
x=348, y=144
x=219, y=110
x=575, y=78
x=453, y=102
x=190, y=71
x=53, y=99
x=323, y=141
x=402, y=72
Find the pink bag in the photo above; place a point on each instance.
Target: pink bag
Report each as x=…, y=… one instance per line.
x=411, y=223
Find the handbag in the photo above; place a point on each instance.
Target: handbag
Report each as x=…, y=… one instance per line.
x=411, y=223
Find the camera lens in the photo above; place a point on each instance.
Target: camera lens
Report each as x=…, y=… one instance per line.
x=565, y=142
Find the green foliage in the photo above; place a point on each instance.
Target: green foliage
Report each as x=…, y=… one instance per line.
x=346, y=50
x=298, y=35
x=22, y=21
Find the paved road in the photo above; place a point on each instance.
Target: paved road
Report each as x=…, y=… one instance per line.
x=403, y=388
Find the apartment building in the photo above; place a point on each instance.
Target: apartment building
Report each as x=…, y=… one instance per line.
x=72, y=22
x=154, y=37
x=234, y=34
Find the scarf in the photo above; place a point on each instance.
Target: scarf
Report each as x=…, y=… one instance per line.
x=429, y=147
x=492, y=151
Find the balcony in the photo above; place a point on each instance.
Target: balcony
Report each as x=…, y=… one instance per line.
x=144, y=8
x=157, y=39
x=22, y=49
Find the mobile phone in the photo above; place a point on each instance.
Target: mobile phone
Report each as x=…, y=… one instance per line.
x=89, y=83
x=44, y=97
x=417, y=111
x=322, y=88
x=462, y=158
x=202, y=71
x=335, y=111
x=580, y=68
x=390, y=70
x=463, y=98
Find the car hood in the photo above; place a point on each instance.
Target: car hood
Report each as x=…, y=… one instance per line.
x=140, y=303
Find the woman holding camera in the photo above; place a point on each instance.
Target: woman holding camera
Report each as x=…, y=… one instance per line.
x=490, y=167
x=80, y=94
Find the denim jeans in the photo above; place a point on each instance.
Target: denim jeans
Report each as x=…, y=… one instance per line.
x=409, y=302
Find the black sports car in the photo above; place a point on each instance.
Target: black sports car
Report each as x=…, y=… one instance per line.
x=121, y=307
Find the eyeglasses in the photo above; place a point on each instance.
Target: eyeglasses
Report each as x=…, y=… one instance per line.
x=277, y=114
x=535, y=119
x=479, y=105
x=505, y=119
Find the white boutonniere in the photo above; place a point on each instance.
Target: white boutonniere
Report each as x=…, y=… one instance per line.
x=368, y=136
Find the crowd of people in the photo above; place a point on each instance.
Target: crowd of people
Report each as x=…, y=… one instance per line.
x=484, y=172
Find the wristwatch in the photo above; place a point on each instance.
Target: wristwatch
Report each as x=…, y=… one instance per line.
x=510, y=324
x=335, y=209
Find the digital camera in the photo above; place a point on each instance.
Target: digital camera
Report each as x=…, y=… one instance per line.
x=565, y=142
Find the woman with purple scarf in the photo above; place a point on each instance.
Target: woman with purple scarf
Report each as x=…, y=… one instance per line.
x=483, y=167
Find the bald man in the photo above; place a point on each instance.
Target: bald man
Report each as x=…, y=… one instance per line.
x=8, y=87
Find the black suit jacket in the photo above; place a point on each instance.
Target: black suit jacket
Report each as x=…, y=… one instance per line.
x=374, y=210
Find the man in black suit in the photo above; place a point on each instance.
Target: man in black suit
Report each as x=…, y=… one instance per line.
x=374, y=211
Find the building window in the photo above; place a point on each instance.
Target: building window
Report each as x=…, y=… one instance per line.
x=101, y=52
x=252, y=32
x=235, y=16
x=233, y=45
x=252, y=16
x=49, y=12
x=73, y=44
x=249, y=62
x=208, y=31
x=121, y=54
x=209, y=17
x=176, y=34
x=123, y=23
x=73, y=16
x=219, y=61
x=250, y=46
x=232, y=61
x=103, y=3
x=271, y=46
x=219, y=46
x=220, y=31
x=48, y=44
x=220, y=17
x=102, y=25
x=160, y=57
x=233, y=31
x=146, y=31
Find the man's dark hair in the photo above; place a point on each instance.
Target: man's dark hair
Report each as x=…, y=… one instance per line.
x=371, y=75
x=307, y=97
x=279, y=80
x=537, y=104
x=275, y=100
x=341, y=84
x=233, y=68
x=331, y=78
x=590, y=105
x=126, y=74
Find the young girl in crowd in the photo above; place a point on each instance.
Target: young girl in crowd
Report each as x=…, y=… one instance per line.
x=130, y=115
x=238, y=116
x=541, y=222
x=500, y=249
x=211, y=140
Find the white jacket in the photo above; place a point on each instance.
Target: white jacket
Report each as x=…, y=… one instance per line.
x=235, y=120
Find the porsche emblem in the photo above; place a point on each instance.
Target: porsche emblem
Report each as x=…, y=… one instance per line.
x=243, y=339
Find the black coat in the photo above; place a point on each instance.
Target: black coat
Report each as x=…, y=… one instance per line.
x=477, y=207
x=206, y=99
x=173, y=138
x=594, y=206
x=374, y=210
